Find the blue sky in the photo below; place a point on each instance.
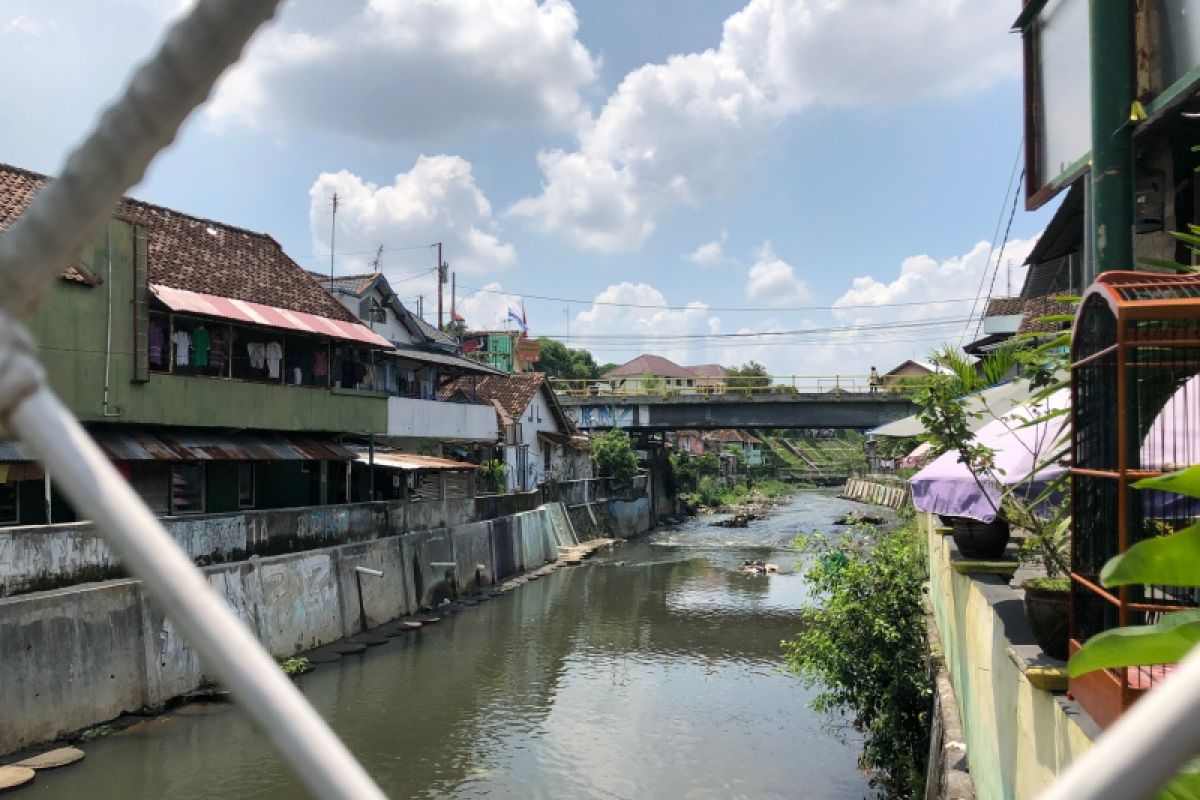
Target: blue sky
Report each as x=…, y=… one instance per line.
x=781, y=155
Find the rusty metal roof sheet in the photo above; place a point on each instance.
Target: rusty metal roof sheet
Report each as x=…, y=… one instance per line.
x=410, y=461
x=140, y=444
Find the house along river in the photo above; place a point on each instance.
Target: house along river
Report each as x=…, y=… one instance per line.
x=651, y=671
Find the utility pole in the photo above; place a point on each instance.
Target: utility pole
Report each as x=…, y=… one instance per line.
x=1112, y=87
x=453, y=298
x=441, y=276
x=421, y=306
x=332, y=234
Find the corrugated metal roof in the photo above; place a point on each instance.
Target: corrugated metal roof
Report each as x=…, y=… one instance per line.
x=139, y=444
x=410, y=461
x=257, y=314
x=465, y=364
x=11, y=452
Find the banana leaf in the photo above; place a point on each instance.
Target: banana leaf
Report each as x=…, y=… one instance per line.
x=1185, y=482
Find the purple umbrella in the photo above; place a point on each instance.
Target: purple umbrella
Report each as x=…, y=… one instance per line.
x=946, y=486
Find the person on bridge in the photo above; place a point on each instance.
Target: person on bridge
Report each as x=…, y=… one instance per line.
x=874, y=380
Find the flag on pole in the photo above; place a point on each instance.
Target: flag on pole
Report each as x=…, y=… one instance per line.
x=518, y=319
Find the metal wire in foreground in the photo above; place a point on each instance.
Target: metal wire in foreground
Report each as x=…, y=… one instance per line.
x=55, y=227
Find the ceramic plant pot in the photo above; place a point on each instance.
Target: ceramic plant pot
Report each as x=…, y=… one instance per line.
x=981, y=540
x=1047, y=611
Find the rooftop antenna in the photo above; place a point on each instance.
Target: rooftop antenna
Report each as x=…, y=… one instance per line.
x=332, y=234
x=377, y=262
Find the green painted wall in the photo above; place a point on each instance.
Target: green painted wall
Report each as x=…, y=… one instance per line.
x=70, y=328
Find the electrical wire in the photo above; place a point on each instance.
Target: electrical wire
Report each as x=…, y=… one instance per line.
x=999, y=258
x=847, y=307
x=995, y=234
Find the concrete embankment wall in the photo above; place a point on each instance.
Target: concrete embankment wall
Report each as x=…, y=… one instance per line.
x=876, y=492
x=1018, y=737
x=49, y=556
x=77, y=656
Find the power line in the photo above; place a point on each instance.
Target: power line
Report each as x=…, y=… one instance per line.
x=1000, y=257
x=876, y=327
x=995, y=234
x=716, y=308
x=366, y=252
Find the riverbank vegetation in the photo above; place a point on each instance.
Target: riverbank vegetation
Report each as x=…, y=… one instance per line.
x=863, y=647
x=699, y=481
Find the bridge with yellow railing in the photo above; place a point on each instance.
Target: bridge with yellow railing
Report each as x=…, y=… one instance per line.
x=790, y=401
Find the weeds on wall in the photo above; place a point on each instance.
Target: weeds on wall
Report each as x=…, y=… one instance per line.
x=863, y=647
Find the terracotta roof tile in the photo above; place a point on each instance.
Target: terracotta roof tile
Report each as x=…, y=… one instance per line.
x=652, y=365
x=1038, y=307
x=512, y=393
x=708, y=370
x=200, y=255
x=1005, y=306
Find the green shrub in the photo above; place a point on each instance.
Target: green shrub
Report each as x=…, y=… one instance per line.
x=863, y=645
x=614, y=455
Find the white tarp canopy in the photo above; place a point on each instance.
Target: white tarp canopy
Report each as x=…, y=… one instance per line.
x=991, y=404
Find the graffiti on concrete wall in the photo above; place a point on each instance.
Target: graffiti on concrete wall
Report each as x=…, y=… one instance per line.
x=601, y=416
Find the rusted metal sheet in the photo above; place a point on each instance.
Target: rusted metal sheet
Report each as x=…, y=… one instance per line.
x=257, y=314
x=411, y=461
x=140, y=444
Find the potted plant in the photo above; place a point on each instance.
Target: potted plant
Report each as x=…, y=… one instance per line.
x=1047, y=597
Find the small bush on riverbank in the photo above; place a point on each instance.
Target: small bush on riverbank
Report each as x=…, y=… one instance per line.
x=710, y=493
x=864, y=647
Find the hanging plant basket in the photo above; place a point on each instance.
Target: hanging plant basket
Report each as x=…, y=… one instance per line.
x=981, y=540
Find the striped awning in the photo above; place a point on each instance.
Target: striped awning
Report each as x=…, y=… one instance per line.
x=212, y=305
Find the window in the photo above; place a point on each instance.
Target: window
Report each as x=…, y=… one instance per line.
x=690, y=382
x=257, y=355
x=305, y=361
x=187, y=489
x=245, y=478
x=352, y=368
x=9, y=504
x=151, y=480
x=195, y=347
x=158, y=343
x=547, y=453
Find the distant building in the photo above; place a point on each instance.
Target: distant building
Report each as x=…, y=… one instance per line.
x=538, y=440
x=726, y=439
x=509, y=351
x=709, y=376
x=650, y=372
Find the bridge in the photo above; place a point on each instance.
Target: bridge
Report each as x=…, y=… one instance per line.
x=846, y=403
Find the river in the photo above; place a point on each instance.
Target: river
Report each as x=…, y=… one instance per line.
x=652, y=670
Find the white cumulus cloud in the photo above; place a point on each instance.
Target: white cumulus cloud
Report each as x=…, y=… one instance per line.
x=487, y=309
x=437, y=200
x=675, y=132
x=709, y=254
x=773, y=281
x=389, y=70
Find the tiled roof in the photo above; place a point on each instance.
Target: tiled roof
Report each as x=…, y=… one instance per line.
x=17, y=187
x=650, y=365
x=1038, y=307
x=729, y=435
x=708, y=370
x=356, y=285
x=201, y=255
x=1004, y=306
x=512, y=392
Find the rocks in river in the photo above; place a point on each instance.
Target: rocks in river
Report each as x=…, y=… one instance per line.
x=859, y=518
x=740, y=520
x=755, y=567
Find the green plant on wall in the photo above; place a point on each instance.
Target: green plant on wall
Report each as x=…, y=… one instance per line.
x=493, y=473
x=1168, y=560
x=614, y=455
x=863, y=646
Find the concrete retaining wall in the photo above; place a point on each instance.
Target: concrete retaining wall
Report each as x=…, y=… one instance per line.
x=49, y=556
x=1018, y=737
x=75, y=657
x=865, y=490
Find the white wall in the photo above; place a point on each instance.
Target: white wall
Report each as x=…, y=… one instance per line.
x=536, y=417
x=433, y=419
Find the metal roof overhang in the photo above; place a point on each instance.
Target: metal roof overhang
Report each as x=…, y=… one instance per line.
x=445, y=359
x=187, y=445
x=396, y=459
x=212, y=305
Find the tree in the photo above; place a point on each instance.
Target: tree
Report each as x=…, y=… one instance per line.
x=559, y=361
x=750, y=375
x=614, y=455
x=650, y=382
x=607, y=368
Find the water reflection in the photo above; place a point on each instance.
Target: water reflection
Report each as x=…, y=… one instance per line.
x=651, y=671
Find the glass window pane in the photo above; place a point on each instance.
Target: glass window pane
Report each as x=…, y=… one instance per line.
x=8, y=503
x=1065, y=124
